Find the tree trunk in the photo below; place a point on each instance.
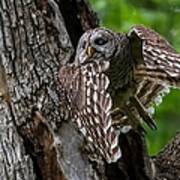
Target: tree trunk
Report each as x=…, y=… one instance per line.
x=36, y=37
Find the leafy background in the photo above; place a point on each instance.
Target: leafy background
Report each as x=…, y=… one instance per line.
x=164, y=17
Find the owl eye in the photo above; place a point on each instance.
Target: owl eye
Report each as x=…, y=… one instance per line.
x=100, y=41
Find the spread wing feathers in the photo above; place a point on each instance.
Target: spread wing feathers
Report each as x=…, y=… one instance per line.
x=149, y=94
x=90, y=104
x=161, y=63
x=157, y=68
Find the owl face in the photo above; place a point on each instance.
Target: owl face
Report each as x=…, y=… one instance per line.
x=96, y=45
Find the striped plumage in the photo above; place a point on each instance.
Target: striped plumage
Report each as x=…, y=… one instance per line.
x=126, y=72
x=161, y=61
x=156, y=70
x=159, y=68
x=89, y=105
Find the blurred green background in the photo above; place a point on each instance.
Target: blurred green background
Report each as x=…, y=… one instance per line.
x=164, y=17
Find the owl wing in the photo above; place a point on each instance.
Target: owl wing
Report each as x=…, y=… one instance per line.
x=158, y=61
x=157, y=67
x=90, y=105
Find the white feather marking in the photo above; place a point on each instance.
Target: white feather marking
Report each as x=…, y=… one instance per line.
x=165, y=91
x=88, y=102
x=126, y=129
x=162, y=56
x=116, y=156
x=88, y=83
x=150, y=110
x=108, y=124
x=158, y=100
x=85, y=111
x=83, y=131
x=98, y=131
x=95, y=96
x=96, y=120
x=109, y=105
x=91, y=121
x=100, y=150
x=114, y=142
x=104, y=65
x=177, y=71
x=78, y=121
x=96, y=109
x=173, y=74
x=88, y=92
x=95, y=87
x=106, y=80
x=177, y=65
x=90, y=139
x=88, y=109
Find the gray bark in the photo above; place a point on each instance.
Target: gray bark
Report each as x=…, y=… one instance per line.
x=34, y=42
x=36, y=37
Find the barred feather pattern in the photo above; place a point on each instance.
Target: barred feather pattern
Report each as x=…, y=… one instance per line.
x=90, y=105
x=142, y=68
x=160, y=70
x=156, y=73
x=161, y=61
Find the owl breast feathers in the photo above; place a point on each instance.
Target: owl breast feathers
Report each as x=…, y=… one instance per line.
x=127, y=72
x=90, y=105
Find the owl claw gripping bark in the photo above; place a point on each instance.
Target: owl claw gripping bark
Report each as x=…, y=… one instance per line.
x=111, y=71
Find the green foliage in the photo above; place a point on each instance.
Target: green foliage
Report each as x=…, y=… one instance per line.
x=164, y=17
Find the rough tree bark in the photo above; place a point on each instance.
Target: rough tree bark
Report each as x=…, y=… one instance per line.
x=36, y=37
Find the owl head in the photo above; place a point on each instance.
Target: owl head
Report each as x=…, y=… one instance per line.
x=96, y=45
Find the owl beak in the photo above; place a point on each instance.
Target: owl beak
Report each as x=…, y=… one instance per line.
x=90, y=51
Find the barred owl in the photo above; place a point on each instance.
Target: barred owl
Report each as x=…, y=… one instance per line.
x=126, y=72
